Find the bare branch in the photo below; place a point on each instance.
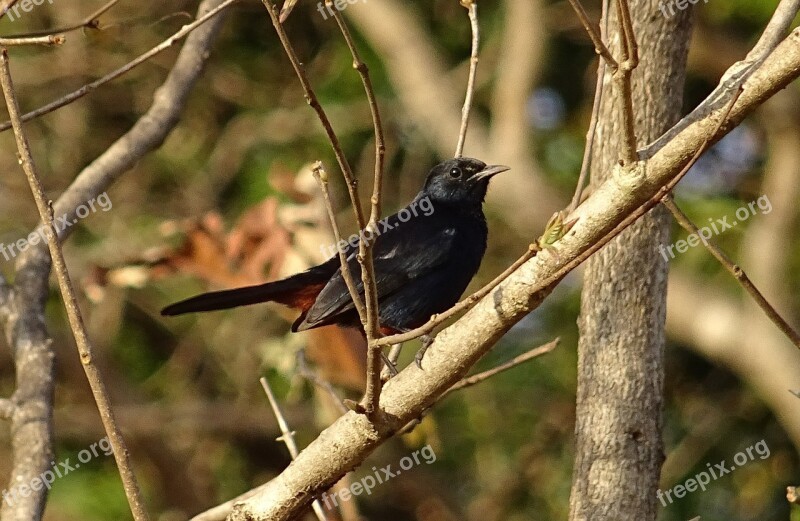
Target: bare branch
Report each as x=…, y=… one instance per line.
x=391, y=362
x=90, y=22
x=153, y=126
x=286, y=10
x=45, y=208
x=599, y=45
x=735, y=270
x=321, y=175
x=624, y=84
x=311, y=99
x=89, y=87
x=22, y=314
x=48, y=41
x=310, y=375
x=647, y=205
x=517, y=360
x=590, y=135
x=5, y=5
x=368, y=314
x=288, y=438
x=472, y=8
x=736, y=74
x=365, y=247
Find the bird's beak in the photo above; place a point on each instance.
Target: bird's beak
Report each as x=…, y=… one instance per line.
x=490, y=171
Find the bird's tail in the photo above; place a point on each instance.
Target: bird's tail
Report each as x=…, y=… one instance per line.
x=298, y=291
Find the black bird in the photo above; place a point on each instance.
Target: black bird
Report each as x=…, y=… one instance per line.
x=424, y=257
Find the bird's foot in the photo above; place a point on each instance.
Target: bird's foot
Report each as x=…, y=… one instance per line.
x=427, y=340
x=556, y=229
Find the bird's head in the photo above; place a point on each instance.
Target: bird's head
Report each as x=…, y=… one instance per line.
x=460, y=181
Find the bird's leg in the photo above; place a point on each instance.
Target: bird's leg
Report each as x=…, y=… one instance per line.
x=427, y=340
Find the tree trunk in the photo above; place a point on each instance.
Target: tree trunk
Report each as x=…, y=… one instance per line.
x=619, y=450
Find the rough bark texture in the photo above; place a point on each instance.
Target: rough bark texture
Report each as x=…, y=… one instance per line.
x=619, y=449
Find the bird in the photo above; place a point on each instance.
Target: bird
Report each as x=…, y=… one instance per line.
x=423, y=260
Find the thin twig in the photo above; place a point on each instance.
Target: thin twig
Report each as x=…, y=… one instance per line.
x=472, y=9
x=590, y=135
x=735, y=270
x=624, y=84
x=631, y=49
x=365, y=247
x=309, y=374
x=286, y=10
x=517, y=360
x=598, y=98
x=90, y=22
x=47, y=41
x=89, y=87
x=341, y=159
x=321, y=175
x=622, y=72
x=480, y=377
x=464, y=305
x=391, y=361
x=45, y=209
x=595, y=35
x=736, y=74
x=287, y=437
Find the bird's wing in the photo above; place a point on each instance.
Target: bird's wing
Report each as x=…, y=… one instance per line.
x=407, y=251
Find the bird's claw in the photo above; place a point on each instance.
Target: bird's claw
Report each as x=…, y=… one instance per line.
x=427, y=340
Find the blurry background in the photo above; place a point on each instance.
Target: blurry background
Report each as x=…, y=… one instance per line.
x=228, y=200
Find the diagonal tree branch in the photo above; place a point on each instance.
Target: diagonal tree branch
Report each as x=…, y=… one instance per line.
x=737, y=73
x=129, y=482
x=736, y=271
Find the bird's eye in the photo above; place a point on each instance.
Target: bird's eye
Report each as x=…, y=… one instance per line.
x=455, y=172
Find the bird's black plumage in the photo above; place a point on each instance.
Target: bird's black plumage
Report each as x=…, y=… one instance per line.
x=423, y=260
